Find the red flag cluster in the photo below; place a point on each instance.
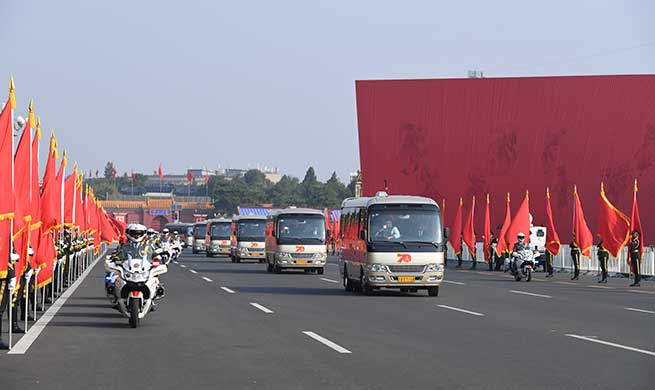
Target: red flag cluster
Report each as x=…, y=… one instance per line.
x=614, y=226
x=33, y=215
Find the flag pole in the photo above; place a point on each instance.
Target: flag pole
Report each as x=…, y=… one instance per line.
x=36, y=289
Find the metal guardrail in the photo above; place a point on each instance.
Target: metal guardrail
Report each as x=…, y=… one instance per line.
x=563, y=261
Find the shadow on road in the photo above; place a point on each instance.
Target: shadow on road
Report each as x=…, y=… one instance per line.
x=90, y=324
x=108, y=314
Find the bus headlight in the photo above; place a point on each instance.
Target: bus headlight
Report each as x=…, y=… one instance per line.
x=320, y=256
x=377, y=268
x=243, y=251
x=434, y=268
x=284, y=256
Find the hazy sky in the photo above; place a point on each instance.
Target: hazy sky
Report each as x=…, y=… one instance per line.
x=208, y=82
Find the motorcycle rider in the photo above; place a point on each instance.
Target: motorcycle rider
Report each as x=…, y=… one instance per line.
x=519, y=246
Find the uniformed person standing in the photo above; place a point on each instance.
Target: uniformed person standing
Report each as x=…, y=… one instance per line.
x=549, y=264
x=6, y=286
x=575, y=257
x=635, y=257
x=459, y=255
x=603, y=257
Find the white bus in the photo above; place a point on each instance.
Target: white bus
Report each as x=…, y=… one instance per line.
x=296, y=239
x=247, y=238
x=392, y=242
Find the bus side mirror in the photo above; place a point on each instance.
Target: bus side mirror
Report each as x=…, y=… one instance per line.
x=446, y=233
x=362, y=235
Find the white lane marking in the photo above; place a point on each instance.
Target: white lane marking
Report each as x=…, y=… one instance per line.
x=193, y=271
x=651, y=353
x=329, y=280
x=26, y=341
x=182, y=265
x=175, y=262
x=461, y=310
x=207, y=279
x=530, y=294
x=262, y=308
x=227, y=290
x=601, y=287
x=326, y=342
x=454, y=282
x=639, y=310
x=334, y=265
x=642, y=292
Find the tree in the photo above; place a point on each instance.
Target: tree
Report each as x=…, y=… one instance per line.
x=255, y=177
x=109, y=170
x=284, y=193
x=334, y=191
x=310, y=190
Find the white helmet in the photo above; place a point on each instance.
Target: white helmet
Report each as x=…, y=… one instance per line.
x=135, y=232
x=520, y=235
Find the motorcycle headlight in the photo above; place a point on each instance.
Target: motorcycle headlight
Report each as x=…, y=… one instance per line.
x=377, y=268
x=320, y=256
x=127, y=275
x=434, y=267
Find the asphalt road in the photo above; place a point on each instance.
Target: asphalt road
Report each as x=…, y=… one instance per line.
x=234, y=326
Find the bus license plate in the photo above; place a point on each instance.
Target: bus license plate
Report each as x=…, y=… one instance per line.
x=301, y=262
x=406, y=279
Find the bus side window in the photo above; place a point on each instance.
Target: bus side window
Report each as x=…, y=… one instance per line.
x=363, y=217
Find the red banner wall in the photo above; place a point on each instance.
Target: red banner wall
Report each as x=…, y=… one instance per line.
x=447, y=138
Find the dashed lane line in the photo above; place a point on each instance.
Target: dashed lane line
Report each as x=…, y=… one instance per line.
x=642, y=292
x=640, y=310
x=193, y=271
x=461, y=310
x=329, y=280
x=227, y=290
x=262, y=308
x=567, y=283
x=454, y=282
x=626, y=347
x=530, y=294
x=182, y=265
x=602, y=287
x=326, y=342
x=207, y=279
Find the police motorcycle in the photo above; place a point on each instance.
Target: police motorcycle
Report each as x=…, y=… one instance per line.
x=522, y=260
x=132, y=283
x=176, y=246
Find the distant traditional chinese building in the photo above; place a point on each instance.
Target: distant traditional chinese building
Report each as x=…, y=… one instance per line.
x=156, y=209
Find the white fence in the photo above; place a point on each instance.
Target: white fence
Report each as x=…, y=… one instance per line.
x=563, y=260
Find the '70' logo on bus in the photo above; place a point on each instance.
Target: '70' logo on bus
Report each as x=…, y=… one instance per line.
x=300, y=248
x=404, y=258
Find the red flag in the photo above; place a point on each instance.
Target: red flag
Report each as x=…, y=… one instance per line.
x=206, y=177
x=487, y=233
x=6, y=178
x=581, y=234
x=79, y=213
x=70, y=196
x=502, y=243
x=520, y=223
x=49, y=192
x=189, y=176
x=133, y=175
x=48, y=256
x=23, y=206
x=635, y=222
x=552, y=238
x=613, y=225
x=456, y=233
x=35, y=233
x=160, y=171
x=469, y=230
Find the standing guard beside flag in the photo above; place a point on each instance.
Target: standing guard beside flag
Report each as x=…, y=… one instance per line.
x=582, y=237
x=575, y=258
x=635, y=257
x=603, y=257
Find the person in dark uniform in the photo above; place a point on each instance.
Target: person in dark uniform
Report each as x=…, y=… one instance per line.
x=6, y=286
x=603, y=257
x=493, y=262
x=549, y=264
x=474, y=258
x=459, y=255
x=635, y=257
x=575, y=257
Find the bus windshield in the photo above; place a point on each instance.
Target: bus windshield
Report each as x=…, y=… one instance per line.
x=405, y=224
x=251, y=230
x=201, y=230
x=221, y=231
x=301, y=229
